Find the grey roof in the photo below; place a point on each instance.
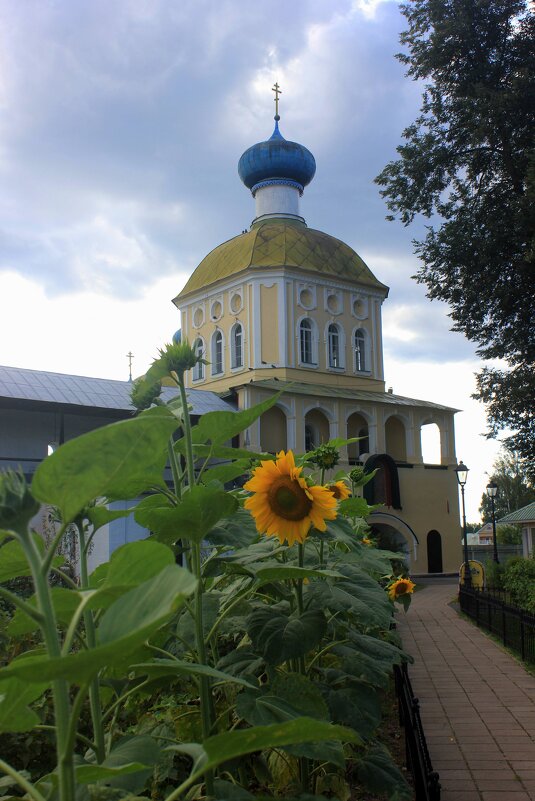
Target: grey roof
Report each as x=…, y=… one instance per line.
x=99, y=393
x=349, y=394
x=524, y=515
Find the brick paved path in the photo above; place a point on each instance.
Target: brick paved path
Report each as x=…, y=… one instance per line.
x=477, y=703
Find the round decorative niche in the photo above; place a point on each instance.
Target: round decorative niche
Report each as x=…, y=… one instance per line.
x=198, y=317
x=359, y=307
x=216, y=310
x=306, y=298
x=236, y=303
x=332, y=303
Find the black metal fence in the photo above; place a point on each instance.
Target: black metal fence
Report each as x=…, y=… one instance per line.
x=515, y=627
x=426, y=780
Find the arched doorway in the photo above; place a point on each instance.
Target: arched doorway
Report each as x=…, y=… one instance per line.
x=273, y=433
x=434, y=552
x=316, y=429
x=357, y=427
x=394, y=534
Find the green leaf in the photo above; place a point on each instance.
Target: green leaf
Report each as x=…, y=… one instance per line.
x=201, y=451
x=124, y=627
x=227, y=791
x=100, y=515
x=279, y=637
x=241, y=662
x=210, y=609
x=355, y=507
x=226, y=472
x=357, y=706
x=120, y=460
x=15, y=695
x=89, y=774
x=65, y=603
x=138, y=749
x=131, y=564
x=198, y=512
x=266, y=575
x=220, y=427
x=223, y=747
x=174, y=667
x=13, y=562
x=238, y=531
x=378, y=773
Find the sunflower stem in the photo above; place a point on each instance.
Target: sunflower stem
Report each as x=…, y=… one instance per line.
x=205, y=689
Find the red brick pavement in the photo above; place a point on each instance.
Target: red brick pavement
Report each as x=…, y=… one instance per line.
x=477, y=703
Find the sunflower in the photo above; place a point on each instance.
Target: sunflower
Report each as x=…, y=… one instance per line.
x=282, y=503
x=339, y=490
x=402, y=586
x=366, y=541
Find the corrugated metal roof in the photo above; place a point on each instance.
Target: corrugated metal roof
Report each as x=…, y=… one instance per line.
x=524, y=515
x=349, y=394
x=100, y=393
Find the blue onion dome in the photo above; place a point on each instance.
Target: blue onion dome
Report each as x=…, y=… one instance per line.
x=177, y=337
x=276, y=160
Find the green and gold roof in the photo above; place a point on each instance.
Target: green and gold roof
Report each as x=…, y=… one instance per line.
x=277, y=243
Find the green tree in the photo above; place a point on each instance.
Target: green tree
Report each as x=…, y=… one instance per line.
x=514, y=487
x=508, y=535
x=468, y=161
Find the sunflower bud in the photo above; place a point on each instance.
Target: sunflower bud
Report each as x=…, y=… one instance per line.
x=17, y=504
x=173, y=361
x=144, y=393
x=356, y=475
x=326, y=456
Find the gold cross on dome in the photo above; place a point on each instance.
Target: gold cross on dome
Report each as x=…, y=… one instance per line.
x=278, y=92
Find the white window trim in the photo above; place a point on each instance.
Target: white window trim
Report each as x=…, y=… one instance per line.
x=233, y=367
x=341, y=347
x=314, y=364
x=367, y=351
x=197, y=379
x=212, y=351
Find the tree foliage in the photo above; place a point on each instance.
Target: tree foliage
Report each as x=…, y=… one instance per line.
x=514, y=487
x=468, y=161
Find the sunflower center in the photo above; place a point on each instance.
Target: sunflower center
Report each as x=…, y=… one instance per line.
x=401, y=588
x=288, y=499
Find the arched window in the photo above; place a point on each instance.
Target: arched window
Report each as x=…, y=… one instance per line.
x=333, y=341
x=360, y=351
x=198, y=370
x=305, y=342
x=217, y=352
x=237, y=346
x=310, y=439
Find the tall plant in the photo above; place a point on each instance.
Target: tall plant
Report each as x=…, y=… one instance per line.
x=281, y=642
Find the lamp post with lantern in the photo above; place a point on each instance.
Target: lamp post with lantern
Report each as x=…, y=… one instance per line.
x=461, y=471
x=492, y=491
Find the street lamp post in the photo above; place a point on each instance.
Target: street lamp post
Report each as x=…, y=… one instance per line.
x=461, y=471
x=492, y=491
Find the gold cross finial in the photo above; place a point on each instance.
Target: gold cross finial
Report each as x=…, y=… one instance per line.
x=278, y=92
x=130, y=356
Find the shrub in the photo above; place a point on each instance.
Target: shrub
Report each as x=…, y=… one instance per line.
x=494, y=572
x=519, y=581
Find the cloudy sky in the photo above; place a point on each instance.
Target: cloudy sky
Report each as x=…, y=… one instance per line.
x=121, y=127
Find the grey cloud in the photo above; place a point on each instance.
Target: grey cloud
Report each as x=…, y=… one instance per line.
x=125, y=123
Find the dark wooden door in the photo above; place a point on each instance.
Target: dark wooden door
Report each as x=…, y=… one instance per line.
x=434, y=552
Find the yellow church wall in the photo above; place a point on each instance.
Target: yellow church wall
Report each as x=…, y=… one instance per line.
x=429, y=494
x=269, y=323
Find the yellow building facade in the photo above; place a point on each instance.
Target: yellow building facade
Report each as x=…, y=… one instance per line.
x=284, y=306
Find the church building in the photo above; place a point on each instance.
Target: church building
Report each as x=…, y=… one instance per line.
x=285, y=306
